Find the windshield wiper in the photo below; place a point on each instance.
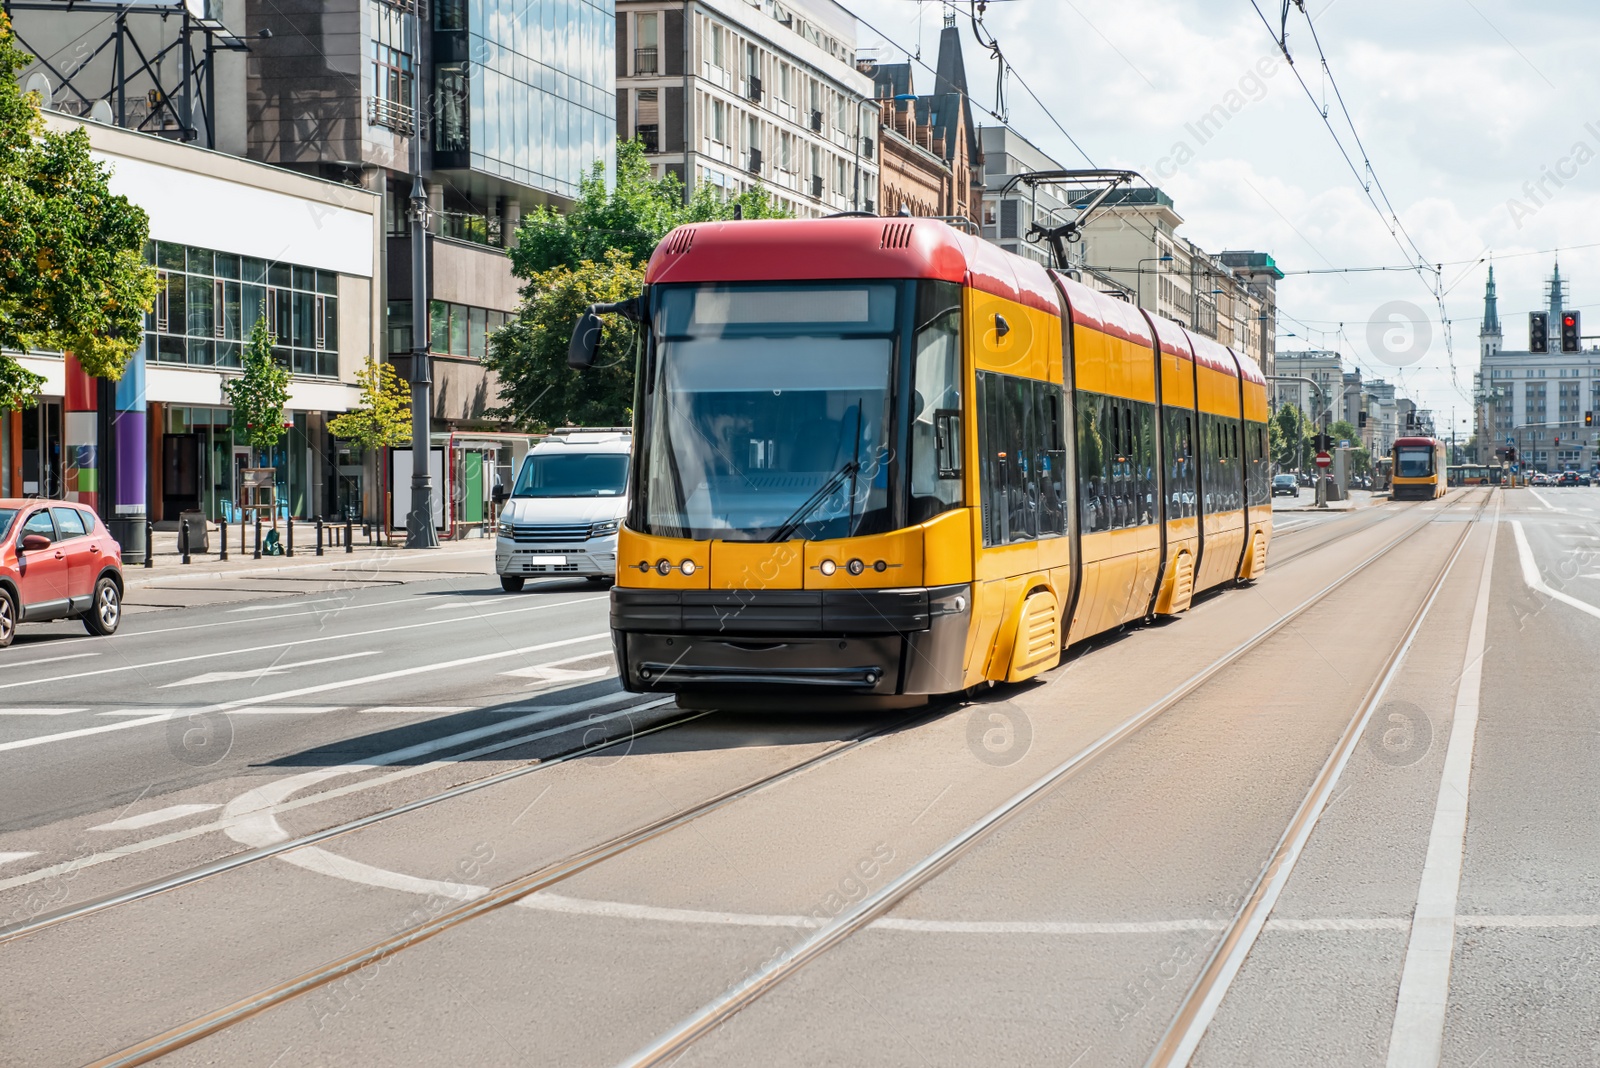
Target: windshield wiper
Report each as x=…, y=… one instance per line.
x=809, y=505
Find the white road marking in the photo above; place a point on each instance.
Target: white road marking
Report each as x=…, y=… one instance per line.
x=450, y=604
x=262, y=672
x=167, y=712
x=297, y=642
x=284, y=710
x=555, y=674
x=435, y=710
x=49, y=659
x=7, y=858
x=1531, y=576
x=227, y=706
x=1417, y=1036
x=39, y=711
x=399, y=755
x=279, y=603
x=150, y=819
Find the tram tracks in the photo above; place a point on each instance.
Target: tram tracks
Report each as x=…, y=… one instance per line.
x=516, y=889
x=674, y=1042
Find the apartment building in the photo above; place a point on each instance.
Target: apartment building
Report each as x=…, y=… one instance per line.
x=735, y=93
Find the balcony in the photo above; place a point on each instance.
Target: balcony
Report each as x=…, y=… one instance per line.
x=645, y=61
x=390, y=114
x=753, y=161
x=753, y=89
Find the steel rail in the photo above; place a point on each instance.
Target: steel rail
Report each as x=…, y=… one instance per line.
x=1199, y=1006
x=250, y=856
x=507, y=893
x=674, y=1042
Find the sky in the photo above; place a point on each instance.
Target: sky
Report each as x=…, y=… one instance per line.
x=1480, y=118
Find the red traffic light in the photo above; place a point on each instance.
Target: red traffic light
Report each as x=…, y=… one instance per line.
x=1568, y=320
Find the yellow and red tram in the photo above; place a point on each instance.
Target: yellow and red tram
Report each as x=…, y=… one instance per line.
x=881, y=457
x=1418, y=469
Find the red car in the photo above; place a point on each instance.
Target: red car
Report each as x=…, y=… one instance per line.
x=57, y=561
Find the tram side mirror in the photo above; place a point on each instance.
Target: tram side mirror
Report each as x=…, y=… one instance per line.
x=585, y=341
x=947, y=442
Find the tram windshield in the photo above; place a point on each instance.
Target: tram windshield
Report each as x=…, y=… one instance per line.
x=1413, y=461
x=760, y=398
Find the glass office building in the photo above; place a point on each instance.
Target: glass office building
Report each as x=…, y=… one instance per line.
x=525, y=91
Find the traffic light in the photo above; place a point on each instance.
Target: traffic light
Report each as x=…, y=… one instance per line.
x=1571, y=332
x=1558, y=441
x=1538, y=332
x=1361, y=420
x=1588, y=419
x=1511, y=454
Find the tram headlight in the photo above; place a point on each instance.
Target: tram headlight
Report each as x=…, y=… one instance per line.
x=663, y=567
x=827, y=567
x=687, y=567
x=855, y=567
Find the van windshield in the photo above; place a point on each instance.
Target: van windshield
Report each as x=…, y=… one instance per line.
x=573, y=474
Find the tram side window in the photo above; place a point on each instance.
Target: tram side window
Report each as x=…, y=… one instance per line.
x=1258, y=481
x=1181, y=463
x=936, y=403
x=1023, y=459
x=1116, y=462
x=1220, y=464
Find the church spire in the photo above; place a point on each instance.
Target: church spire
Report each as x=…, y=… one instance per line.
x=1557, y=295
x=1491, y=309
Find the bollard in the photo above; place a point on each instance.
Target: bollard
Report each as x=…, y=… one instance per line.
x=149, y=544
x=222, y=529
x=258, y=536
x=242, y=522
x=183, y=536
x=349, y=542
x=289, y=543
x=319, y=535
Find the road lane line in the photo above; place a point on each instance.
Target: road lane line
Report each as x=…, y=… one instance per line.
x=261, y=672
x=150, y=819
x=301, y=641
x=7, y=858
x=381, y=760
x=432, y=710
x=282, y=695
x=51, y=659
x=284, y=710
x=1535, y=581
x=1417, y=1037
x=274, y=607
x=39, y=711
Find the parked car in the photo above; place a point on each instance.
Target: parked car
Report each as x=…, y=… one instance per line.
x=562, y=514
x=1285, y=485
x=57, y=561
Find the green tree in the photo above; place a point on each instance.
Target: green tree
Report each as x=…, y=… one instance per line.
x=72, y=271
x=594, y=253
x=384, y=415
x=529, y=354
x=260, y=392
x=633, y=216
x=1291, y=433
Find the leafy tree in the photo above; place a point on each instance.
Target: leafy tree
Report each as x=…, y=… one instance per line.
x=1291, y=437
x=72, y=271
x=260, y=392
x=384, y=417
x=594, y=253
x=529, y=353
x=633, y=216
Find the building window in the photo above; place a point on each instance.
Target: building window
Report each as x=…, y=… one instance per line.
x=645, y=56
x=209, y=302
x=391, y=80
x=450, y=97
x=647, y=128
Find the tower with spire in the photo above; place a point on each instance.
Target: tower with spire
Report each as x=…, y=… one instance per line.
x=1489, y=337
x=1556, y=291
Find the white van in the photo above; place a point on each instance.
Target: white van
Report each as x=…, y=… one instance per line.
x=563, y=511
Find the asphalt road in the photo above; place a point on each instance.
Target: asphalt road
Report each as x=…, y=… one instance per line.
x=1442, y=906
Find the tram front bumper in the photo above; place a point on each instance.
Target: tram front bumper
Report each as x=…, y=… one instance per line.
x=876, y=642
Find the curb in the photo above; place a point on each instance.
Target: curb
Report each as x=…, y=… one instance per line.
x=135, y=576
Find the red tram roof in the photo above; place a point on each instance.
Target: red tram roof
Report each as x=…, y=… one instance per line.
x=1174, y=338
x=1210, y=354
x=1097, y=311
x=823, y=249
x=1429, y=442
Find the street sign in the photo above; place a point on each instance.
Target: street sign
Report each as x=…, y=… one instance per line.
x=1324, y=460
x=1344, y=443
x=1511, y=441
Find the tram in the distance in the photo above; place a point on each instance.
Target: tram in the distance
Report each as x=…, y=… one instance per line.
x=1418, y=468
x=880, y=457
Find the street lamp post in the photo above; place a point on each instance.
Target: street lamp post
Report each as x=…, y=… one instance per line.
x=420, y=533
x=1138, y=272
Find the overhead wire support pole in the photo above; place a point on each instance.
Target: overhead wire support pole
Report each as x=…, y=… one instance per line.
x=420, y=533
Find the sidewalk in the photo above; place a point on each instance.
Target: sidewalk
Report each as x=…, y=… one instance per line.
x=208, y=579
